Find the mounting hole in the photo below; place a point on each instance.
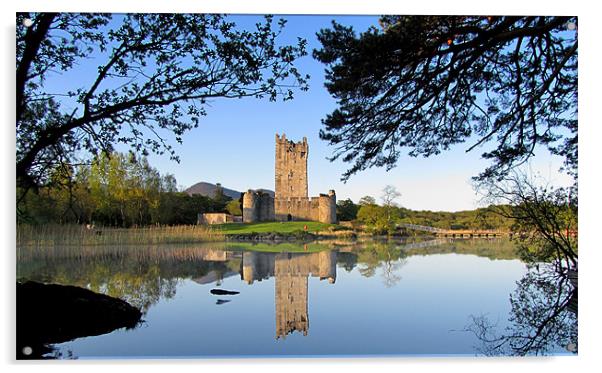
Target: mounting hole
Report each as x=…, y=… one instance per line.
x=27, y=350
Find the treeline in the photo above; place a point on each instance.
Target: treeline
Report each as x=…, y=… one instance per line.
x=117, y=190
x=384, y=219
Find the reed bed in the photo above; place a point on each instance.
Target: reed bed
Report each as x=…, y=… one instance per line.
x=79, y=235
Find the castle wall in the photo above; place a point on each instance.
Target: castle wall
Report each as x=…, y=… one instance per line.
x=250, y=207
x=257, y=206
x=217, y=218
x=322, y=208
x=291, y=167
x=291, y=201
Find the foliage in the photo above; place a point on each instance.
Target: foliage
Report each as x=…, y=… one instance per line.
x=383, y=219
x=545, y=218
x=154, y=77
x=425, y=83
x=379, y=219
x=219, y=195
x=481, y=218
x=367, y=200
x=114, y=190
x=346, y=210
x=233, y=207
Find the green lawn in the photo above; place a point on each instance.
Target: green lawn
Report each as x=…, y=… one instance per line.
x=280, y=247
x=272, y=227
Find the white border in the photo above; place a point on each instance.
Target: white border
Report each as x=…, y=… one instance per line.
x=589, y=134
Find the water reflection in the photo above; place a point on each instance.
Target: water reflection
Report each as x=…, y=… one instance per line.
x=149, y=276
x=543, y=315
x=291, y=271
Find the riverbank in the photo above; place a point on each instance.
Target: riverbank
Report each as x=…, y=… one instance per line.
x=86, y=235
x=82, y=235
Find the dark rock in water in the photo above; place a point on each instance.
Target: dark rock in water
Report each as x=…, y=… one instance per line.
x=222, y=301
x=223, y=292
x=53, y=313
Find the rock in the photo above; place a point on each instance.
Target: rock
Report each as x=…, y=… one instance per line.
x=223, y=292
x=50, y=313
x=222, y=301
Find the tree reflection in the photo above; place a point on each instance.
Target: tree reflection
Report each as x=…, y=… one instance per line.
x=543, y=316
x=141, y=277
x=390, y=258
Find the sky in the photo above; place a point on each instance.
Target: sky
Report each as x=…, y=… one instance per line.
x=234, y=144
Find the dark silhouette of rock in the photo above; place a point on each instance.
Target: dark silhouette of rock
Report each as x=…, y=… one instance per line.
x=223, y=292
x=222, y=301
x=50, y=313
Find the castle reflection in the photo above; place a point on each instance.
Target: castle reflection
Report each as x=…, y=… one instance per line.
x=291, y=272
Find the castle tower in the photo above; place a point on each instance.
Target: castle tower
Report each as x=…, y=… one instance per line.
x=291, y=167
x=291, y=274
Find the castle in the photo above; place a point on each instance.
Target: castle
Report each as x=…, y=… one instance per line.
x=291, y=201
x=291, y=272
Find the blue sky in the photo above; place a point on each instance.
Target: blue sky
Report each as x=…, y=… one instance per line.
x=234, y=144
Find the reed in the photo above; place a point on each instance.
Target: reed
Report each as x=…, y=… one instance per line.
x=79, y=235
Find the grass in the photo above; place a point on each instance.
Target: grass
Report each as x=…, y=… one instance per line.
x=55, y=235
x=272, y=227
x=279, y=248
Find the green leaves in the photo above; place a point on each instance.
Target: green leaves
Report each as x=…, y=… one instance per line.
x=424, y=83
x=155, y=74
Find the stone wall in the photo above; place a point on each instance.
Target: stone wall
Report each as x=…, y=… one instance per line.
x=291, y=167
x=291, y=202
x=322, y=208
x=217, y=218
x=257, y=206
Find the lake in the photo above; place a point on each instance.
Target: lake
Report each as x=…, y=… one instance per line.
x=431, y=298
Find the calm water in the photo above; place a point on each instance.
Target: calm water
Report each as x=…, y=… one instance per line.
x=360, y=299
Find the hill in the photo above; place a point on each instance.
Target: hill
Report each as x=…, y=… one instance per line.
x=208, y=190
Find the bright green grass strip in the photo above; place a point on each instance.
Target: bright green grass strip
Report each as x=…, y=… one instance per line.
x=279, y=248
x=271, y=227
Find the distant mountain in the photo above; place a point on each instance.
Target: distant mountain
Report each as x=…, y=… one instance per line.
x=208, y=190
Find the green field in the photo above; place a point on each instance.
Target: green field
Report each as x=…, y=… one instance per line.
x=271, y=227
x=280, y=247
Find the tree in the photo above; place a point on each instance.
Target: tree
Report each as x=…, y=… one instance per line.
x=219, y=197
x=425, y=83
x=377, y=219
x=367, y=200
x=346, y=210
x=233, y=207
x=390, y=194
x=155, y=75
x=545, y=218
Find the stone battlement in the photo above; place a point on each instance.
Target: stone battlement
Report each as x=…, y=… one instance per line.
x=284, y=141
x=291, y=201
